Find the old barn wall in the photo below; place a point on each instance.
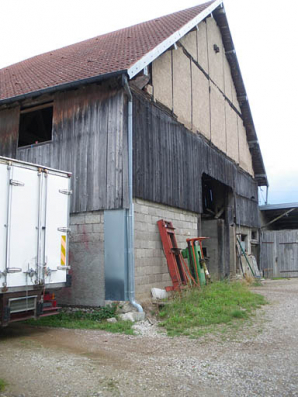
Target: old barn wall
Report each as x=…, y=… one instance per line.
x=169, y=162
x=9, y=131
x=195, y=83
x=89, y=139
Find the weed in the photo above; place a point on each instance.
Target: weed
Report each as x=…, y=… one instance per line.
x=3, y=384
x=280, y=278
x=257, y=283
x=197, y=311
x=83, y=320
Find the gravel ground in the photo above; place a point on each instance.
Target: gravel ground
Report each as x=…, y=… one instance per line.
x=257, y=360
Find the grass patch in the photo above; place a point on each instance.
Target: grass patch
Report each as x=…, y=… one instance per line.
x=97, y=319
x=3, y=384
x=280, y=278
x=197, y=311
x=257, y=283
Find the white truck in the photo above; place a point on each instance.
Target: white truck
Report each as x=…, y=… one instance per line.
x=34, y=229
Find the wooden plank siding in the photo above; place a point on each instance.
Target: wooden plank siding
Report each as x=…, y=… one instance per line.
x=88, y=139
x=279, y=253
x=9, y=131
x=169, y=162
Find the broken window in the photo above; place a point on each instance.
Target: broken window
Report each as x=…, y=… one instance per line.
x=254, y=234
x=244, y=242
x=36, y=125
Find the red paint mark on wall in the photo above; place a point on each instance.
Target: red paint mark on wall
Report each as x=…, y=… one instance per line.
x=85, y=238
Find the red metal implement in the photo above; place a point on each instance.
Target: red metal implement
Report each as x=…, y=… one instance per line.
x=173, y=254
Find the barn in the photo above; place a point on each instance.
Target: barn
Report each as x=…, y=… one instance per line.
x=154, y=123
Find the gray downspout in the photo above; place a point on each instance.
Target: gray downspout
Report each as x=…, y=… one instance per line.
x=130, y=217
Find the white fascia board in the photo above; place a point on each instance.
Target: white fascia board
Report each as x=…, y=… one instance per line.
x=166, y=44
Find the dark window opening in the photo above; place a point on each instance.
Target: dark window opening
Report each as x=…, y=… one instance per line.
x=244, y=241
x=35, y=125
x=254, y=235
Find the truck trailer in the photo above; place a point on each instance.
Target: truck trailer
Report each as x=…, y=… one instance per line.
x=34, y=233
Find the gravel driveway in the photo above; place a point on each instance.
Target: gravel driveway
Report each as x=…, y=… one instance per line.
x=257, y=360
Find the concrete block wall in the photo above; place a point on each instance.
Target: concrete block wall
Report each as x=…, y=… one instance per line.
x=86, y=258
x=150, y=263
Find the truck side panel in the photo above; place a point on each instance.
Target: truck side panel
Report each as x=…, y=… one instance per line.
x=23, y=227
x=56, y=241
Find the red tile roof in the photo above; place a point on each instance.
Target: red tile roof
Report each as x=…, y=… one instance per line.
x=100, y=55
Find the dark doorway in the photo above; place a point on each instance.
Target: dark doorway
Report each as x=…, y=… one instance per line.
x=217, y=224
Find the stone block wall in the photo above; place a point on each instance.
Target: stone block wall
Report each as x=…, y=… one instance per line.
x=86, y=258
x=150, y=262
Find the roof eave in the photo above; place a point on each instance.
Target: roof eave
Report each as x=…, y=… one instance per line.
x=252, y=139
x=63, y=87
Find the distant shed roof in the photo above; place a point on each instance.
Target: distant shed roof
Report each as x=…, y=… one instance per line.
x=281, y=216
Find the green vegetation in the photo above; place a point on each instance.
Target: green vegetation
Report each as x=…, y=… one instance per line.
x=280, y=278
x=197, y=311
x=257, y=283
x=3, y=384
x=96, y=319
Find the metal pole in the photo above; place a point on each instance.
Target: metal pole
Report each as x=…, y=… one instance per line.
x=130, y=220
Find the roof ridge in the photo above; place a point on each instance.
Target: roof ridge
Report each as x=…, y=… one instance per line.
x=125, y=49
x=111, y=32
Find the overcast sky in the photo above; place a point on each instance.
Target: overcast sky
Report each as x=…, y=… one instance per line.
x=265, y=35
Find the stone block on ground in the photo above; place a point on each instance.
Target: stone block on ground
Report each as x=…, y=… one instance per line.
x=158, y=293
x=112, y=320
x=133, y=316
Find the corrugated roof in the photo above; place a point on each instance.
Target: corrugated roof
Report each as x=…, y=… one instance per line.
x=273, y=207
x=100, y=55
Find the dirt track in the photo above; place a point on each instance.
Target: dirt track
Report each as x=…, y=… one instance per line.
x=261, y=360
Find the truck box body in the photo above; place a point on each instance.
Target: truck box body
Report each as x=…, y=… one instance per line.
x=34, y=225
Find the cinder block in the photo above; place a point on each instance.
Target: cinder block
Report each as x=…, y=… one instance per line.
x=156, y=269
x=147, y=270
x=77, y=219
x=97, y=227
x=142, y=280
x=81, y=229
x=158, y=278
x=152, y=279
x=138, y=244
x=138, y=226
x=144, y=209
x=92, y=218
x=148, y=218
x=166, y=277
x=139, y=253
x=137, y=207
x=139, y=217
x=79, y=238
x=154, y=219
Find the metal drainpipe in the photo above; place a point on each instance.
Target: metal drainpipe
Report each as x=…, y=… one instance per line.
x=130, y=218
